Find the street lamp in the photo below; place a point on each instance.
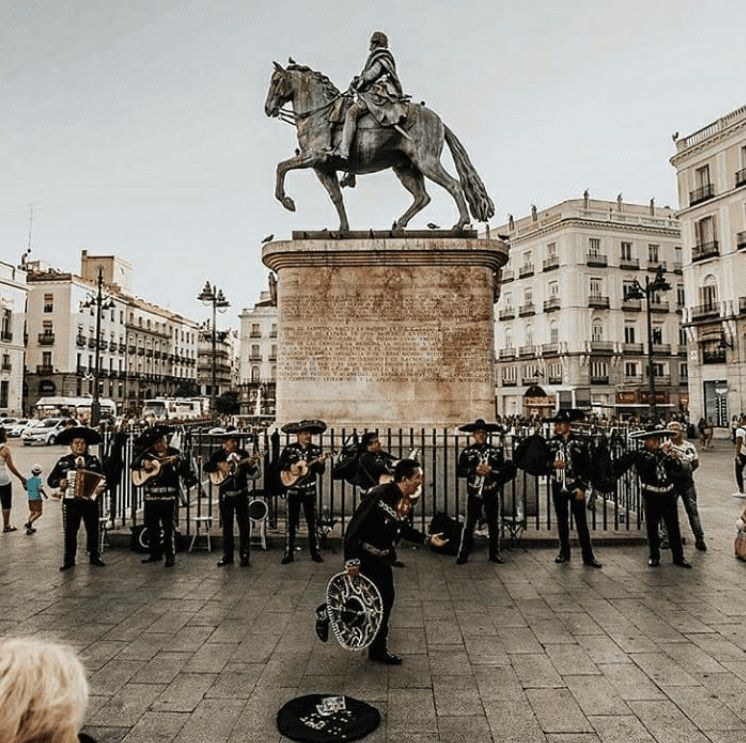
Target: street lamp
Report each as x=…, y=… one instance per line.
x=211, y=295
x=647, y=292
x=101, y=302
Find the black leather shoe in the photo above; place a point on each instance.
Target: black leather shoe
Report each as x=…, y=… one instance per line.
x=386, y=658
x=287, y=558
x=461, y=560
x=562, y=558
x=97, y=561
x=700, y=545
x=67, y=565
x=244, y=562
x=682, y=563
x=497, y=558
x=150, y=559
x=170, y=562
x=653, y=562
x=317, y=557
x=594, y=563
x=225, y=560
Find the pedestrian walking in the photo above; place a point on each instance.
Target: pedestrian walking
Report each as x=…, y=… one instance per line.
x=35, y=492
x=740, y=437
x=6, y=487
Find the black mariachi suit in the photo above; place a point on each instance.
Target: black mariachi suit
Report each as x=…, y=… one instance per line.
x=371, y=466
x=489, y=497
x=373, y=531
x=577, y=463
x=76, y=509
x=234, y=500
x=656, y=472
x=160, y=494
x=302, y=493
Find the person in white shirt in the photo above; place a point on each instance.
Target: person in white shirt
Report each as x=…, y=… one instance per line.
x=740, y=456
x=687, y=454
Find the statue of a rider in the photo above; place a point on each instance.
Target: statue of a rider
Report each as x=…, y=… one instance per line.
x=377, y=90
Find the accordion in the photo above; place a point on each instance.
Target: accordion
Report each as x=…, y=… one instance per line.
x=84, y=484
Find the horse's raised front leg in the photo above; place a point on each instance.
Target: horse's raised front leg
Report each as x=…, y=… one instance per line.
x=292, y=163
x=331, y=184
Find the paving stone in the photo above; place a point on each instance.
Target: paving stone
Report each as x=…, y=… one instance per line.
x=663, y=670
x=536, y=671
x=464, y=729
x=157, y=727
x=666, y=722
x=630, y=681
x=557, y=711
x=457, y=696
x=704, y=709
x=128, y=706
x=571, y=659
x=621, y=729
x=185, y=692
x=511, y=723
x=596, y=696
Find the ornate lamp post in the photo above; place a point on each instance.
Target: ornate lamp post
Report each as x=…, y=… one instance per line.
x=648, y=292
x=101, y=302
x=211, y=295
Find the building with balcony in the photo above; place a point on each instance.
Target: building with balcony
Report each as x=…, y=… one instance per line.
x=566, y=329
x=711, y=179
x=259, y=354
x=224, y=361
x=13, y=296
x=144, y=350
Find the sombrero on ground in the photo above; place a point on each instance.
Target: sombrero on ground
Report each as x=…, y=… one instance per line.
x=79, y=432
x=314, y=426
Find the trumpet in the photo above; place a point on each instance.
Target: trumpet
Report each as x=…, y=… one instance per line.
x=483, y=459
x=560, y=473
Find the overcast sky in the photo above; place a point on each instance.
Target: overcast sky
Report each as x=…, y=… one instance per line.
x=137, y=127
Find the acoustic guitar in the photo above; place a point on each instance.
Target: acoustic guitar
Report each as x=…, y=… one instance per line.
x=221, y=475
x=302, y=470
x=140, y=477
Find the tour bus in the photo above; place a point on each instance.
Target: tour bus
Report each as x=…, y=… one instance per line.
x=73, y=407
x=173, y=408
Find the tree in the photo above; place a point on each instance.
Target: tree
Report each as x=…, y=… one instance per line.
x=186, y=388
x=227, y=403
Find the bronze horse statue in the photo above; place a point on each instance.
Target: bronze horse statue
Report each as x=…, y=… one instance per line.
x=413, y=152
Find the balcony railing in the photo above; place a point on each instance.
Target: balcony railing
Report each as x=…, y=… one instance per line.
x=661, y=349
x=740, y=240
x=550, y=349
x=528, y=379
x=44, y=369
x=552, y=304
x=509, y=382
x=605, y=347
x=46, y=339
x=704, y=311
x=701, y=194
x=526, y=309
x=524, y=351
x=6, y=366
x=273, y=334
x=596, y=259
x=91, y=343
x=661, y=306
x=683, y=350
x=663, y=380
x=551, y=263
x=507, y=314
x=554, y=378
x=740, y=177
x=713, y=356
x=506, y=353
x=599, y=379
x=598, y=301
x=654, y=265
x=507, y=275
x=630, y=263
x=255, y=357
x=273, y=357
x=678, y=267
x=633, y=349
x=630, y=379
x=527, y=269
x=631, y=305
x=705, y=250
x=255, y=334
x=80, y=341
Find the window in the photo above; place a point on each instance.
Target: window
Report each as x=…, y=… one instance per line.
x=677, y=256
x=599, y=369
x=630, y=333
x=657, y=334
x=631, y=369
x=508, y=300
x=553, y=289
x=680, y=297
x=273, y=330
x=46, y=358
x=659, y=370
x=509, y=373
x=552, y=250
x=255, y=374
x=508, y=338
x=6, y=332
x=527, y=296
x=553, y=332
x=626, y=288
x=597, y=331
x=49, y=303
x=708, y=292
x=554, y=370
x=255, y=352
x=683, y=370
x=594, y=246
x=704, y=231
x=743, y=156
x=47, y=328
x=595, y=287
x=702, y=176
x=626, y=251
x=654, y=253
x=529, y=335
x=527, y=258
x=4, y=391
x=682, y=336
x=256, y=331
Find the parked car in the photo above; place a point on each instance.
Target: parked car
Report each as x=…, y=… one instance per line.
x=45, y=431
x=18, y=427
x=7, y=422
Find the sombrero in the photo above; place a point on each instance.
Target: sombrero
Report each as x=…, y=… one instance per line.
x=232, y=433
x=652, y=432
x=79, y=432
x=151, y=435
x=480, y=425
x=314, y=426
x=569, y=415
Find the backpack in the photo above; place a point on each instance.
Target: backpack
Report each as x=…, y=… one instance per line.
x=601, y=469
x=345, y=468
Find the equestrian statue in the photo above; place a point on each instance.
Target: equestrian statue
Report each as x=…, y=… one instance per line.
x=370, y=127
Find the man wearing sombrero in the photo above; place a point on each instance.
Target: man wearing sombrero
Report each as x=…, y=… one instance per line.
x=484, y=467
x=154, y=455
x=570, y=463
x=303, y=462
x=75, y=509
x=657, y=467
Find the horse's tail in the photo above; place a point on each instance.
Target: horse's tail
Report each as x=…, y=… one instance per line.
x=480, y=203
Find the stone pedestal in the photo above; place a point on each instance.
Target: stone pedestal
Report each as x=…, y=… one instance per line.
x=386, y=331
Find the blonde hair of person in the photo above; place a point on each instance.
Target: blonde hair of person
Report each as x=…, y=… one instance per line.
x=43, y=692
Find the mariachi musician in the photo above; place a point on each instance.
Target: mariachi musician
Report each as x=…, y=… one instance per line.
x=234, y=467
x=301, y=463
x=569, y=463
x=80, y=479
x=658, y=467
x=375, y=466
x=486, y=471
x=156, y=467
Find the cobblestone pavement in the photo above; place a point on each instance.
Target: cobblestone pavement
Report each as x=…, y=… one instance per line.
x=528, y=651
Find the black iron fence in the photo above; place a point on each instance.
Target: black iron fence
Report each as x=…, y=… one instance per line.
x=526, y=506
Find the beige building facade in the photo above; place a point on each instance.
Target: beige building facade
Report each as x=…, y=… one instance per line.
x=258, y=356
x=711, y=178
x=13, y=296
x=565, y=334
